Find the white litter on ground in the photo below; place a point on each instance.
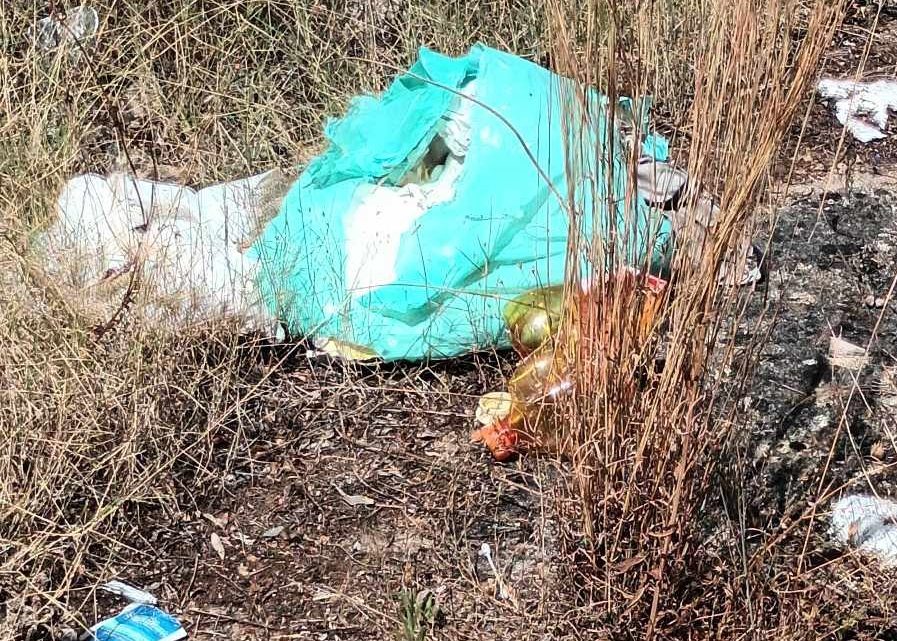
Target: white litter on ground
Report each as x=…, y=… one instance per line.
x=868, y=524
x=190, y=244
x=694, y=218
x=841, y=353
x=75, y=25
x=862, y=107
x=129, y=592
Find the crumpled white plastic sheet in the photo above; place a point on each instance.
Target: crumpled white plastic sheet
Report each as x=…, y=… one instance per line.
x=75, y=25
x=190, y=245
x=862, y=107
x=868, y=524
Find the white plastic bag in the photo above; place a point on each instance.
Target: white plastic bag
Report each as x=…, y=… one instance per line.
x=190, y=245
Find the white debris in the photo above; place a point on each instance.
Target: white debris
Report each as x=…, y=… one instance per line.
x=129, y=592
x=693, y=218
x=78, y=24
x=492, y=407
x=842, y=353
x=486, y=553
x=189, y=244
x=383, y=216
x=658, y=182
x=869, y=524
x=862, y=107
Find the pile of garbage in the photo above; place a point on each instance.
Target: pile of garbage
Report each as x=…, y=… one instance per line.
x=433, y=205
x=529, y=416
x=435, y=223
x=190, y=246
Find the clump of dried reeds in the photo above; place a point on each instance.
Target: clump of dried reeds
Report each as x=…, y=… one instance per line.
x=645, y=440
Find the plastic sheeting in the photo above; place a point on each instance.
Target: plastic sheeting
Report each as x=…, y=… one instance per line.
x=862, y=107
x=189, y=245
x=868, y=524
x=429, y=210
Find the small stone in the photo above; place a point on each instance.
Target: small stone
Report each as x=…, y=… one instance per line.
x=801, y=297
x=67, y=634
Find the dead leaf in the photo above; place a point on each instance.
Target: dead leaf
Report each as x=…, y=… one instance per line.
x=214, y=520
x=325, y=595
x=407, y=542
x=354, y=499
x=274, y=532
x=217, y=545
x=624, y=566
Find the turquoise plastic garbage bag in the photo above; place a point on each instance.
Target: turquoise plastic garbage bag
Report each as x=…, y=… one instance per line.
x=427, y=213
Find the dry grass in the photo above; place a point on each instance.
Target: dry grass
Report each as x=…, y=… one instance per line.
x=646, y=456
x=98, y=431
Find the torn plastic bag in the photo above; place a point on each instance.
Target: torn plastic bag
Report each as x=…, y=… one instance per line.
x=693, y=216
x=862, y=107
x=429, y=211
x=189, y=245
x=75, y=25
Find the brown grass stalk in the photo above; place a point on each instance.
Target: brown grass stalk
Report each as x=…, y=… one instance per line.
x=645, y=455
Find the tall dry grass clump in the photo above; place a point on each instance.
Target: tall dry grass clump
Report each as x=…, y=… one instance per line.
x=95, y=435
x=652, y=418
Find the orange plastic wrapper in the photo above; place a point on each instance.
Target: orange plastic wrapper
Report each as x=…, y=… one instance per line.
x=500, y=437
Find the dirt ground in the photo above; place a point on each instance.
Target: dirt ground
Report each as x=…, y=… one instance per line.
x=362, y=483
x=367, y=487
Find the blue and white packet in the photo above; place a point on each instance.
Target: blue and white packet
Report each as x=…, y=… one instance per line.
x=138, y=622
